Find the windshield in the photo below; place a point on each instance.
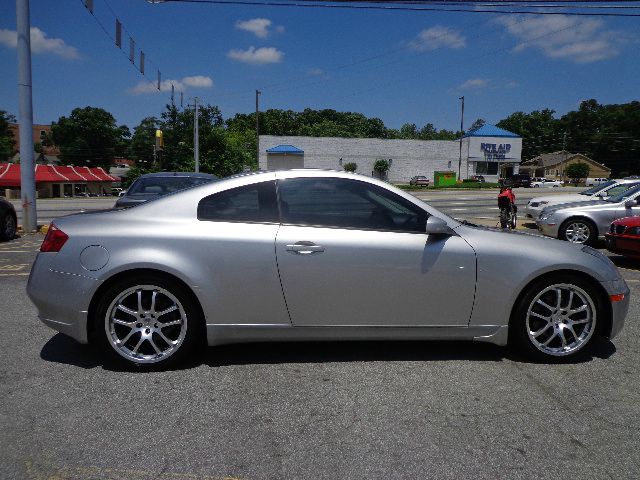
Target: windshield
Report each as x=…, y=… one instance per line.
x=597, y=188
x=164, y=185
x=624, y=195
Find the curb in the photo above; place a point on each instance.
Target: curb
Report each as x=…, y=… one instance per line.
x=40, y=229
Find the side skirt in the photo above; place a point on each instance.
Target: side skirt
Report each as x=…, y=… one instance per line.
x=218, y=334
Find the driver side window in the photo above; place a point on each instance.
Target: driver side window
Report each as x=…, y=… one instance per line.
x=344, y=203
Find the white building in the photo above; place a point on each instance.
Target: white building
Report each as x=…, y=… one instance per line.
x=407, y=157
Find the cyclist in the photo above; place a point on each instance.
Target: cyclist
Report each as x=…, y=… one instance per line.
x=507, y=205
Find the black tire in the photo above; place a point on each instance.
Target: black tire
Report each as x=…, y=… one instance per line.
x=579, y=230
x=171, y=323
x=513, y=221
x=8, y=226
x=526, y=322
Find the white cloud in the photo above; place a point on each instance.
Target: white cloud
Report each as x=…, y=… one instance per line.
x=258, y=26
x=40, y=43
x=257, y=56
x=315, y=72
x=474, y=83
x=512, y=84
x=197, y=81
x=438, y=37
x=564, y=37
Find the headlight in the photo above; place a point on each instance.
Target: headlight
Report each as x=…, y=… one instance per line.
x=546, y=216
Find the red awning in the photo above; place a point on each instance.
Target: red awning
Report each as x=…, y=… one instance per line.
x=70, y=173
x=9, y=175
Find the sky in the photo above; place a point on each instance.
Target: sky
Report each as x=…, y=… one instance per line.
x=402, y=67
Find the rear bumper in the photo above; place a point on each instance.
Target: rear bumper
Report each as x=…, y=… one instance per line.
x=62, y=299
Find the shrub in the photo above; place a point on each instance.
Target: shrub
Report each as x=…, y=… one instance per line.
x=350, y=167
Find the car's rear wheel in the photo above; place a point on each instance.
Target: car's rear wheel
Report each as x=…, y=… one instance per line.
x=579, y=230
x=8, y=226
x=557, y=319
x=148, y=322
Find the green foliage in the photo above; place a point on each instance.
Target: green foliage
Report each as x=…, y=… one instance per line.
x=577, y=170
x=350, y=167
x=89, y=137
x=381, y=166
x=7, y=142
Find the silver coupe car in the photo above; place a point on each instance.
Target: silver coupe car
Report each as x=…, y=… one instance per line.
x=314, y=255
x=586, y=222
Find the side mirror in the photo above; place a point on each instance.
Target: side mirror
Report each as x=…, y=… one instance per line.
x=437, y=226
x=627, y=204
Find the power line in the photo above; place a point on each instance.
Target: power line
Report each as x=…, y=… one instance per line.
x=357, y=6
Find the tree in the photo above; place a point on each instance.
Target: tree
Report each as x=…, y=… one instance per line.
x=88, y=136
x=540, y=131
x=142, y=143
x=577, y=171
x=479, y=123
x=7, y=142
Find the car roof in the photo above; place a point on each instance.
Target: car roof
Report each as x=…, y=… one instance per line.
x=178, y=174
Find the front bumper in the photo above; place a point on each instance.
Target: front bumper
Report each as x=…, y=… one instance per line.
x=62, y=299
x=549, y=229
x=623, y=244
x=618, y=309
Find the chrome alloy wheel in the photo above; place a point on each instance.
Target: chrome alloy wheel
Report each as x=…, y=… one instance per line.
x=577, y=232
x=561, y=319
x=146, y=324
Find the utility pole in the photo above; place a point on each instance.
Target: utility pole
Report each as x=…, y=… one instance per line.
x=562, y=162
x=461, y=135
x=25, y=119
x=258, y=92
x=196, y=139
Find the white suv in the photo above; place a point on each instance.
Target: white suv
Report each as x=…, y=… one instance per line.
x=607, y=189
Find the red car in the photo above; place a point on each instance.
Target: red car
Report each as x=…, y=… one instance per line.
x=624, y=237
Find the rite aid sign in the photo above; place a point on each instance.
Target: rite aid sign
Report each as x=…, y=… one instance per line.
x=494, y=149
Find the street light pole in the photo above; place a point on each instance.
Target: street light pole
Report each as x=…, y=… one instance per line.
x=461, y=135
x=25, y=118
x=258, y=92
x=196, y=136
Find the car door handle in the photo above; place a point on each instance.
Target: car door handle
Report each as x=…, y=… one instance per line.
x=305, y=248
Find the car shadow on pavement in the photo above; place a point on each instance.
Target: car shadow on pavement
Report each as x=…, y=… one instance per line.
x=625, y=262
x=349, y=351
x=64, y=350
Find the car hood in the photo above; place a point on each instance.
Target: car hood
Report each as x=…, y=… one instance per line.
x=564, y=206
x=568, y=198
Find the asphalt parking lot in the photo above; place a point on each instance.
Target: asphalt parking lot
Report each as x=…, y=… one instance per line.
x=370, y=410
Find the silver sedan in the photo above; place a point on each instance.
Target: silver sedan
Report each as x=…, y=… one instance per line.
x=314, y=255
x=586, y=222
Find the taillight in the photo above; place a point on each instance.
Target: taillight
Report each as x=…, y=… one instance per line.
x=53, y=240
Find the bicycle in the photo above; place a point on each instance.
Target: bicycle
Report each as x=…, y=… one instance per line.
x=508, y=212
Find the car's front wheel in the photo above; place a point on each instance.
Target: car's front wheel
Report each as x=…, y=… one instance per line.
x=556, y=319
x=7, y=226
x=148, y=322
x=579, y=230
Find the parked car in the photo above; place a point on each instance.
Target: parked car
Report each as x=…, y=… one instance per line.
x=605, y=190
x=517, y=180
x=420, y=180
x=313, y=255
x=8, y=220
x=586, y=222
x=591, y=182
x=623, y=237
x=546, y=183
x=154, y=185
x=477, y=178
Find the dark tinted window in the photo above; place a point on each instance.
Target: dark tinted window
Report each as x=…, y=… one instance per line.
x=250, y=203
x=336, y=202
x=163, y=185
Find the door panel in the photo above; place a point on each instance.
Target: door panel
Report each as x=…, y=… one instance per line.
x=335, y=276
